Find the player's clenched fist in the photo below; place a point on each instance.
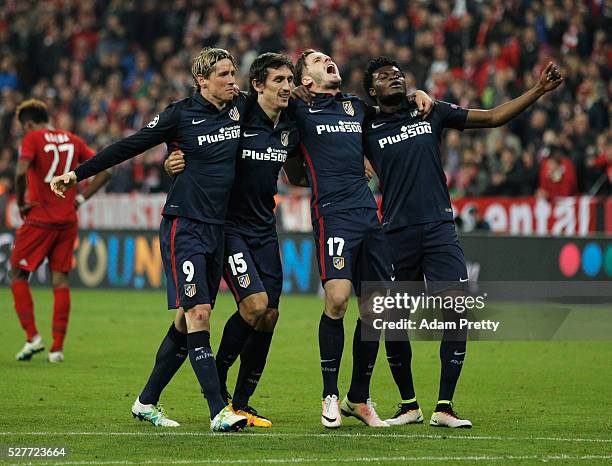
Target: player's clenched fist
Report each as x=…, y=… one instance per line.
x=61, y=184
x=424, y=103
x=550, y=78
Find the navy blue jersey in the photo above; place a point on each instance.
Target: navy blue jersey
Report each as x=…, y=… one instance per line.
x=331, y=140
x=209, y=139
x=263, y=151
x=405, y=152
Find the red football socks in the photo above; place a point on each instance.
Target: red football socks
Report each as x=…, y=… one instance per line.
x=24, y=307
x=61, y=311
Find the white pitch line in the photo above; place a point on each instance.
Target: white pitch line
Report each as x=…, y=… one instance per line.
x=293, y=435
x=364, y=459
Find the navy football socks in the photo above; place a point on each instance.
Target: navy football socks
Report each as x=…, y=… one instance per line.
x=364, y=359
x=235, y=335
x=399, y=357
x=252, y=363
x=331, y=344
x=170, y=357
x=203, y=363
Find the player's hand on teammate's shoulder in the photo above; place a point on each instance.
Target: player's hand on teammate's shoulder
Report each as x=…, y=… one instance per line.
x=175, y=163
x=424, y=103
x=303, y=93
x=62, y=183
x=550, y=78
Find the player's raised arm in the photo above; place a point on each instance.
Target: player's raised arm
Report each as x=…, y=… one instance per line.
x=155, y=132
x=550, y=79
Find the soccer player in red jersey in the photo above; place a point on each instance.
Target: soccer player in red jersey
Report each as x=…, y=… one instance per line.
x=50, y=223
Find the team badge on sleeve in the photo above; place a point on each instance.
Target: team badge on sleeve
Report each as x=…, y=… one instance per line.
x=190, y=290
x=153, y=122
x=347, y=105
x=234, y=114
x=285, y=138
x=244, y=280
x=339, y=262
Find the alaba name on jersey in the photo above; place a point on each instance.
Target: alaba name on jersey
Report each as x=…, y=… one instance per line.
x=51, y=152
x=405, y=152
x=331, y=140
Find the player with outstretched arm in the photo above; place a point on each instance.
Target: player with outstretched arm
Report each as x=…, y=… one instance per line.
x=417, y=214
x=206, y=127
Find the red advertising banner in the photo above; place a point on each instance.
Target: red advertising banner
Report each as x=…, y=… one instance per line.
x=564, y=216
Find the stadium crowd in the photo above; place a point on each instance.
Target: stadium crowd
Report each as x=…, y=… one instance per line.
x=106, y=67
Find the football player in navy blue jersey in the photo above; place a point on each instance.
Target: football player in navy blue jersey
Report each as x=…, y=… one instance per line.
x=417, y=214
x=252, y=269
x=351, y=246
x=206, y=127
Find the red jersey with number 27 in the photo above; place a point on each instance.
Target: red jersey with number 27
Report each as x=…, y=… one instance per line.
x=51, y=152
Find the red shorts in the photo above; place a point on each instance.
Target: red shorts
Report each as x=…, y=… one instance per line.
x=33, y=244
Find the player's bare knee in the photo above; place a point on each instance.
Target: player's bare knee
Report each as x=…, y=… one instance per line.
x=254, y=307
x=59, y=279
x=267, y=322
x=336, y=303
x=198, y=318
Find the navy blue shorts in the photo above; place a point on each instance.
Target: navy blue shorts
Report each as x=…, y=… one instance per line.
x=253, y=265
x=192, y=254
x=429, y=251
x=351, y=244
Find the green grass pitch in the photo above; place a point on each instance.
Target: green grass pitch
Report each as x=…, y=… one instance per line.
x=530, y=402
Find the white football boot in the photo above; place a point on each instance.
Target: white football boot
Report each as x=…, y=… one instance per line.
x=30, y=349
x=330, y=414
x=405, y=415
x=152, y=413
x=55, y=356
x=365, y=412
x=447, y=417
x=227, y=421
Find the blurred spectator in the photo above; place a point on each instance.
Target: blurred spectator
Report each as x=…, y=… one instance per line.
x=478, y=221
x=557, y=176
x=601, y=165
x=509, y=178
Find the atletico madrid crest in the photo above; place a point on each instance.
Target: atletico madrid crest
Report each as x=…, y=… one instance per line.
x=339, y=262
x=347, y=105
x=234, y=114
x=285, y=138
x=244, y=280
x=190, y=290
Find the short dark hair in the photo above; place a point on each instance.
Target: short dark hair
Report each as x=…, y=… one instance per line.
x=260, y=66
x=33, y=110
x=300, y=64
x=374, y=65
